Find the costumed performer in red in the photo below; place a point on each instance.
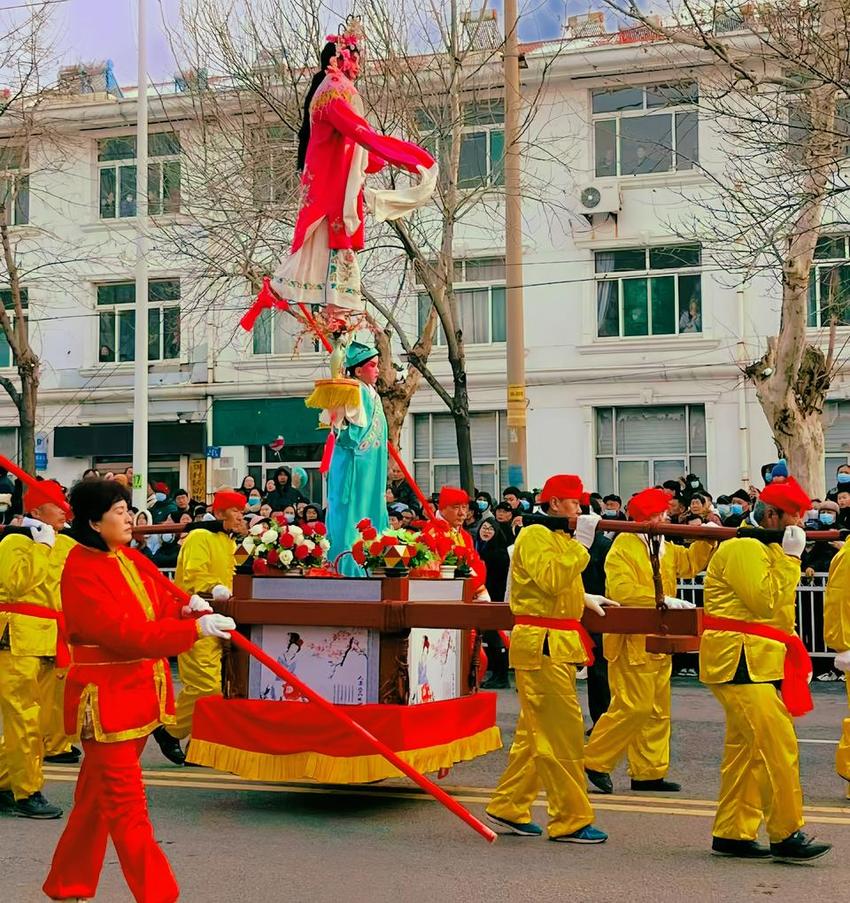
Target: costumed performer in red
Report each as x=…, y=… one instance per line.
x=337, y=150
x=120, y=627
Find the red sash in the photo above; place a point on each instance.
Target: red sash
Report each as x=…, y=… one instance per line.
x=63, y=657
x=560, y=624
x=798, y=666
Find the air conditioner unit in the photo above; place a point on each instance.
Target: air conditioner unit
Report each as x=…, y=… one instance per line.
x=600, y=199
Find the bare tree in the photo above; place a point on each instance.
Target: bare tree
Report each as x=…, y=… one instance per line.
x=775, y=96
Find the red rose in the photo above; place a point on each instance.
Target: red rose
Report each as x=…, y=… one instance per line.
x=358, y=553
x=280, y=519
x=272, y=557
x=308, y=530
x=302, y=552
x=319, y=528
x=364, y=525
x=388, y=541
x=287, y=540
x=259, y=566
x=375, y=549
x=369, y=534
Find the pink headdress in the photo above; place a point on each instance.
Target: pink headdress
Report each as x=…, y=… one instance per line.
x=349, y=41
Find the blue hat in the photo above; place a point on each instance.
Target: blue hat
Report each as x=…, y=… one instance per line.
x=357, y=353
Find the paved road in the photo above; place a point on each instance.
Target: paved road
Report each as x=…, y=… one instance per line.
x=387, y=843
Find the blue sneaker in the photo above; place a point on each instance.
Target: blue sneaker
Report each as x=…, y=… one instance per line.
x=588, y=834
x=523, y=829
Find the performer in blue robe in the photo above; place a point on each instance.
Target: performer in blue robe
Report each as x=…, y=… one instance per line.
x=357, y=478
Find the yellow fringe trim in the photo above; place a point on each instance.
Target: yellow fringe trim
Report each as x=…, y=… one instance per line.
x=254, y=766
x=334, y=393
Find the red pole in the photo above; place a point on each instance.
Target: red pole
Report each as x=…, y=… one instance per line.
x=277, y=669
x=426, y=505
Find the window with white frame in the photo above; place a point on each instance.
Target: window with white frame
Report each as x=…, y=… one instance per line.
x=479, y=285
x=644, y=446
x=277, y=332
x=836, y=430
x=274, y=154
x=14, y=185
x=6, y=357
x=117, y=320
x=482, y=148
x=116, y=164
x=648, y=291
x=829, y=283
x=435, y=460
x=640, y=129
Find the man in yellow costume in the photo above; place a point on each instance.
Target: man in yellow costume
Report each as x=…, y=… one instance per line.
x=31, y=561
x=748, y=646
x=836, y=633
x=206, y=564
x=637, y=722
x=548, y=644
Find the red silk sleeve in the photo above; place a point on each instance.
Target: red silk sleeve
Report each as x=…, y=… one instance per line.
x=376, y=164
x=393, y=150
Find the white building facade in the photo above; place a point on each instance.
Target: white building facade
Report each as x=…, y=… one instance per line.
x=633, y=335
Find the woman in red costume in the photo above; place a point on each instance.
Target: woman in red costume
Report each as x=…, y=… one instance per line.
x=337, y=150
x=120, y=626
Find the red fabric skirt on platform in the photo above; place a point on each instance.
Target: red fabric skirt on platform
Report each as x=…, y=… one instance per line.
x=289, y=741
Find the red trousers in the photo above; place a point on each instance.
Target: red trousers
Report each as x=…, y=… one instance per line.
x=110, y=802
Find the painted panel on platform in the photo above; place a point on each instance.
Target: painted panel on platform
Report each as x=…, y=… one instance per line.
x=433, y=664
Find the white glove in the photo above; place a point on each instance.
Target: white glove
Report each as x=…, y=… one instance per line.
x=586, y=528
x=196, y=603
x=842, y=661
x=482, y=595
x=42, y=533
x=597, y=603
x=794, y=541
x=220, y=593
x=216, y=625
x=673, y=602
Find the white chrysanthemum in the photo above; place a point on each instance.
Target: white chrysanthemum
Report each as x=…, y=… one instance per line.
x=257, y=529
x=309, y=545
x=248, y=544
x=324, y=545
x=297, y=532
x=286, y=558
x=269, y=537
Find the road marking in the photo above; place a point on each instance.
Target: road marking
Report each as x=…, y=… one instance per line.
x=828, y=742
x=644, y=805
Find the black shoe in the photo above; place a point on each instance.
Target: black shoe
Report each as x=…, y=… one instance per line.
x=496, y=683
x=7, y=801
x=659, y=785
x=739, y=849
x=36, y=806
x=69, y=757
x=169, y=746
x=798, y=848
x=601, y=780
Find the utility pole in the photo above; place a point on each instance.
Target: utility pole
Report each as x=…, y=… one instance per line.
x=517, y=454
x=140, y=370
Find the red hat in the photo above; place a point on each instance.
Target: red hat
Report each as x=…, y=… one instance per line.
x=43, y=491
x=227, y=498
x=451, y=495
x=787, y=496
x=647, y=504
x=564, y=486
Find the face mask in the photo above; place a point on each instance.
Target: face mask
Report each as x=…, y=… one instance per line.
x=724, y=511
x=289, y=518
x=608, y=513
x=694, y=484
x=482, y=505
x=844, y=478
x=159, y=496
x=254, y=503
x=523, y=504
x=736, y=509
x=826, y=517
x=167, y=537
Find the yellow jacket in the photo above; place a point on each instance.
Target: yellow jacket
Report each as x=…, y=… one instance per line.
x=546, y=582
x=206, y=559
x=628, y=580
x=749, y=581
x=30, y=572
x=836, y=604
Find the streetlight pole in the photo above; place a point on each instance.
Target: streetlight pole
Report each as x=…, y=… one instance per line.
x=140, y=371
x=517, y=454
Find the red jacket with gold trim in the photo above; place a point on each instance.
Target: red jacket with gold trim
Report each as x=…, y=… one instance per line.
x=120, y=625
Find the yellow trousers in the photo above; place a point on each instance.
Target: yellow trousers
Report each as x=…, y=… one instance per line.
x=637, y=721
x=23, y=683
x=547, y=752
x=760, y=774
x=200, y=674
x=56, y=741
x=842, y=754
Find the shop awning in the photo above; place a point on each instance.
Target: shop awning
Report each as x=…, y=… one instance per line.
x=258, y=421
x=106, y=439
